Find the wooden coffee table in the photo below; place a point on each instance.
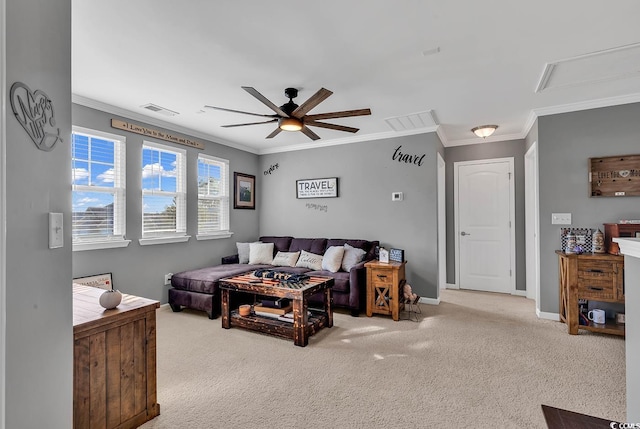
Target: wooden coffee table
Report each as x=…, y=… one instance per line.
x=304, y=324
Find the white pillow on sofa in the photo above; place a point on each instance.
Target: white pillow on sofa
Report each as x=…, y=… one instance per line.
x=352, y=256
x=260, y=253
x=309, y=260
x=243, y=253
x=286, y=259
x=332, y=258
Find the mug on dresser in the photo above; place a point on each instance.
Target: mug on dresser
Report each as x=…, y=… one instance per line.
x=597, y=316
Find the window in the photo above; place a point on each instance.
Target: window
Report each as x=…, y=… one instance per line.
x=98, y=186
x=163, y=193
x=213, y=197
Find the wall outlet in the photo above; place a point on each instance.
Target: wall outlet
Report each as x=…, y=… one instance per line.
x=167, y=278
x=397, y=196
x=560, y=218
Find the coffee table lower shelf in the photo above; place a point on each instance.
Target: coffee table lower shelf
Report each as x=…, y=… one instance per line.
x=278, y=328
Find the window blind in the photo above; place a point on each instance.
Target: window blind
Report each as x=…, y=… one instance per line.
x=98, y=186
x=163, y=190
x=213, y=194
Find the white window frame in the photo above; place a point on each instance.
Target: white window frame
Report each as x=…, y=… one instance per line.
x=118, y=191
x=180, y=235
x=223, y=232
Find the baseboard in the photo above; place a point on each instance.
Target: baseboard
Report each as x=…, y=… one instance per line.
x=452, y=286
x=430, y=301
x=548, y=316
x=164, y=305
x=520, y=293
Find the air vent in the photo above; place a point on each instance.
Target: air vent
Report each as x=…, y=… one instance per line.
x=158, y=109
x=413, y=121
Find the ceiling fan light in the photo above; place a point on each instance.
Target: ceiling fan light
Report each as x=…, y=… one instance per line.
x=484, y=131
x=290, y=124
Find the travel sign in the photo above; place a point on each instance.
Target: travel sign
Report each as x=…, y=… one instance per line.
x=317, y=188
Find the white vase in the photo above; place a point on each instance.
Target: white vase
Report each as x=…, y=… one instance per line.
x=110, y=299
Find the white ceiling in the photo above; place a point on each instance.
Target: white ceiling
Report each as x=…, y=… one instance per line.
x=493, y=55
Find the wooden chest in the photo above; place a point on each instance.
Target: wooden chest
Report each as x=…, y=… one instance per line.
x=114, y=361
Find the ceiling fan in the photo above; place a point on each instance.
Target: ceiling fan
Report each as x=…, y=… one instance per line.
x=291, y=117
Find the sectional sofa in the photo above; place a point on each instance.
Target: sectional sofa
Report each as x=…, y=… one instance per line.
x=198, y=289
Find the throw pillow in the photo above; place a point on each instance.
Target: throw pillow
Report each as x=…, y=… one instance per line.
x=332, y=258
x=260, y=253
x=309, y=260
x=286, y=259
x=352, y=256
x=243, y=253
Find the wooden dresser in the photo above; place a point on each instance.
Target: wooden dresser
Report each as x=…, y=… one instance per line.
x=594, y=277
x=114, y=361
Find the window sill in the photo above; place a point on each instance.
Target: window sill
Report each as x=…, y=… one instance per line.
x=214, y=236
x=96, y=245
x=163, y=240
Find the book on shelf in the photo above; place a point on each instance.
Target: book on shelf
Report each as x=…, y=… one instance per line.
x=266, y=314
x=278, y=311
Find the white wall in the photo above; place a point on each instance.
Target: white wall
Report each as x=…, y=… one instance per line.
x=39, y=334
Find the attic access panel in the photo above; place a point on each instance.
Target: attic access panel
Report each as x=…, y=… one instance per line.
x=615, y=176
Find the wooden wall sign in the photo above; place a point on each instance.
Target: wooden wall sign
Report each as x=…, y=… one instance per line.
x=615, y=176
x=139, y=129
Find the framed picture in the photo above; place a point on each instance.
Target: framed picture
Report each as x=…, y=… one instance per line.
x=396, y=255
x=244, y=191
x=102, y=281
x=317, y=188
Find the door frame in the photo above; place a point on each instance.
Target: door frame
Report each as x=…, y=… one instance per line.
x=512, y=210
x=3, y=205
x=532, y=223
x=442, y=225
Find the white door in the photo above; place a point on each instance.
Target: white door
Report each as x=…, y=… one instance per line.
x=484, y=233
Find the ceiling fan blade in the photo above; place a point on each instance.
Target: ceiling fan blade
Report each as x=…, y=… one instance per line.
x=312, y=102
x=265, y=101
x=331, y=126
x=343, y=114
x=240, y=111
x=274, y=133
x=307, y=132
x=249, y=123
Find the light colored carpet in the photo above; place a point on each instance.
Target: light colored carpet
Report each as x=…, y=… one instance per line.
x=477, y=360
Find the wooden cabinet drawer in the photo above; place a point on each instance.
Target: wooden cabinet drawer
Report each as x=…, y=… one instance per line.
x=381, y=278
x=596, y=288
x=595, y=267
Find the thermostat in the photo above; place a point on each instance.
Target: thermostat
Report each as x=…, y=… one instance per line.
x=396, y=196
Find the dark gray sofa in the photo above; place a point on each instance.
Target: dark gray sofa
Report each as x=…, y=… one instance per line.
x=198, y=289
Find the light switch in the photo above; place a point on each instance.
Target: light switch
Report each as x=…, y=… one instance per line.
x=560, y=218
x=55, y=231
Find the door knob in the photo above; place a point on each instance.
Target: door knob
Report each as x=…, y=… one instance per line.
x=464, y=233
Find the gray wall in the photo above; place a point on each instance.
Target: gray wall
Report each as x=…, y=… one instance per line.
x=504, y=149
x=565, y=144
x=367, y=177
x=39, y=335
x=140, y=270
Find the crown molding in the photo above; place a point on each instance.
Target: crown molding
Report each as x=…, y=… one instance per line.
x=587, y=105
x=108, y=108
x=348, y=140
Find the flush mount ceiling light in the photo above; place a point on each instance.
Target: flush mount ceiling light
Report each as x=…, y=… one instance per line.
x=484, y=131
x=290, y=124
